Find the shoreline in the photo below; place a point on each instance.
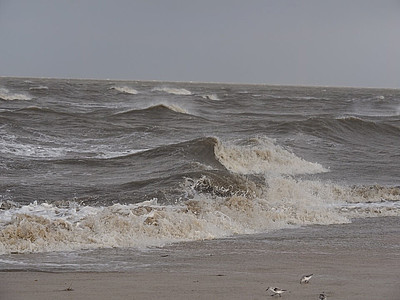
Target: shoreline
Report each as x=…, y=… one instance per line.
x=360, y=260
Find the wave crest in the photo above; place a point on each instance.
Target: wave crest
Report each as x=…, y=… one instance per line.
x=125, y=90
x=157, y=108
x=263, y=156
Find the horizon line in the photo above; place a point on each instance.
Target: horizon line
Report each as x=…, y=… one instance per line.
x=201, y=82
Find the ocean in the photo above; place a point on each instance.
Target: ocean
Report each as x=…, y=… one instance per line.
x=93, y=172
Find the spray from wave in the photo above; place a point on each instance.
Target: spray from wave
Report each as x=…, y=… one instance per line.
x=262, y=155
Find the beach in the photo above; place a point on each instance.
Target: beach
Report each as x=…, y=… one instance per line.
x=360, y=260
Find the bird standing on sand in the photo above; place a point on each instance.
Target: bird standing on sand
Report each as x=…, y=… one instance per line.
x=322, y=296
x=306, y=278
x=276, y=291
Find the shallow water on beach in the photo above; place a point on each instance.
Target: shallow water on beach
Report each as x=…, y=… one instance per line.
x=371, y=235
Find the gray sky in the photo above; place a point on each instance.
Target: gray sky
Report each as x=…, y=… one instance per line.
x=308, y=42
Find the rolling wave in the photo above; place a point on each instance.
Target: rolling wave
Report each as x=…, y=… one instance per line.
x=342, y=128
x=247, y=188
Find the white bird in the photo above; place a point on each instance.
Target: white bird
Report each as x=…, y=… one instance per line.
x=276, y=291
x=306, y=278
x=322, y=296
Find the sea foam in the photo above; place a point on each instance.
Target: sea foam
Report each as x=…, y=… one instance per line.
x=284, y=203
x=212, y=211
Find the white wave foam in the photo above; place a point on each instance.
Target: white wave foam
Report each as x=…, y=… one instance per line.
x=263, y=156
x=174, y=91
x=5, y=94
x=281, y=203
x=9, y=144
x=125, y=89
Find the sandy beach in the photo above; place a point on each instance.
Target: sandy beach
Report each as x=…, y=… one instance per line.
x=360, y=260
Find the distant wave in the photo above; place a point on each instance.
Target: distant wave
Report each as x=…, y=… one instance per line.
x=356, y=124
x=125, y=89
x=159, y=108
x=211, y=97
x=174, y=91
x=39, y=111
x=342, y=128
x=38, y=88
x=5, y=94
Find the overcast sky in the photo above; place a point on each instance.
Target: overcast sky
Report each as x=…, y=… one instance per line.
x=307, y=42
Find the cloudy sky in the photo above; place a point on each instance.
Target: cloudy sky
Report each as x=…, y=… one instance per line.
x=308, y=42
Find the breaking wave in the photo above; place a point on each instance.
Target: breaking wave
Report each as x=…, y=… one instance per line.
x=285, y=202
x=5, y=94
x=262, y=155
x=261, y=194
x=125, y=90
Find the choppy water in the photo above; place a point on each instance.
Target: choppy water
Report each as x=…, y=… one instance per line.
x=99, y=164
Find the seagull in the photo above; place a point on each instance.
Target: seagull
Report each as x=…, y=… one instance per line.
x=322, y=296
x=306, y=278
x=276, y=291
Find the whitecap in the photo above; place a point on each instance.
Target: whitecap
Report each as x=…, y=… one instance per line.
x=211, y=97
x=39, y=88
x=174, y=91
x=5, y=94
x=125, y=89
x=263, y=156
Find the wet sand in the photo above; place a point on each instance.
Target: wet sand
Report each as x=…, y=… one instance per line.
x=360, y=260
